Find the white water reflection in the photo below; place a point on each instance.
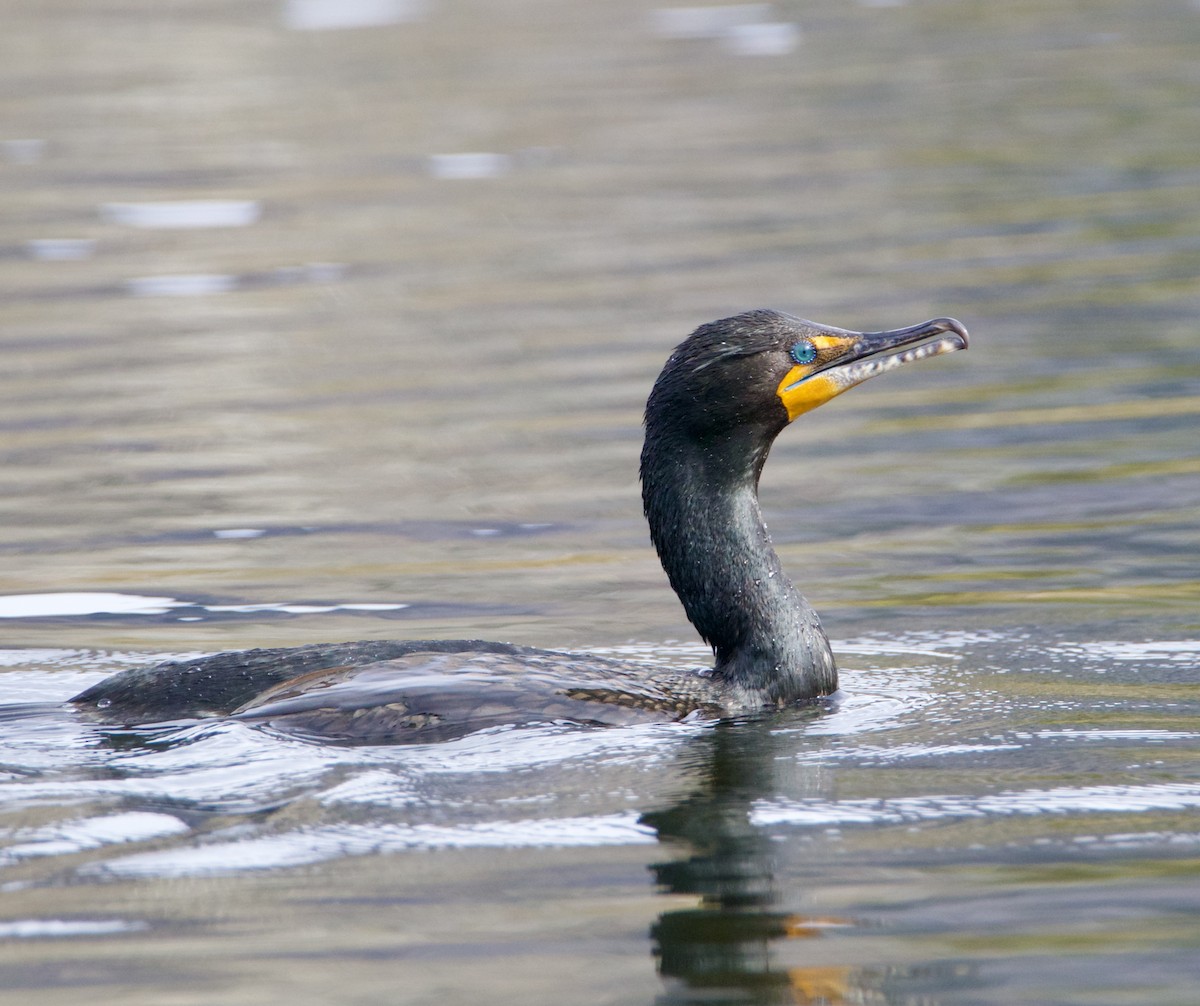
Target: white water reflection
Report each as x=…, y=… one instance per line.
x=61, y=249
x=65, y=605
x=207, y=284
x=1174, y=650
x=23, y=151
x=1150, y=736
x=38, y=929
x=706, y=22
x=1062, y=800
x=321, y=15
x=469, y=165
x=237, y=853
x=874, y=754
x=184, y=214
x=768, y=38
x=377, y=799
x=60, y=658
x=91, y=833
x=182, y=285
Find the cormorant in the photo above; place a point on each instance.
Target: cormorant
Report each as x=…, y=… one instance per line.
x=723, y=396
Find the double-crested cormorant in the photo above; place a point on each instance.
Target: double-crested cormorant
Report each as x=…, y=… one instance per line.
x=723, y=396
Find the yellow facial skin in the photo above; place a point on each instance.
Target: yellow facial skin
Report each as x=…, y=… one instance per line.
x=849, y=358
x=801, y=393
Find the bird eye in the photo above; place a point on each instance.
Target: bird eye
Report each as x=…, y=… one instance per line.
x=804, y=352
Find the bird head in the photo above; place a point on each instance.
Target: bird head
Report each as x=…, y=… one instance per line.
x=762, y=369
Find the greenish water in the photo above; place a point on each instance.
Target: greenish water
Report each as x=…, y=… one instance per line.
x=366, y=388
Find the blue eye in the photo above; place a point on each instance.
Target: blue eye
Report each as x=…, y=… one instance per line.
x=804, y=352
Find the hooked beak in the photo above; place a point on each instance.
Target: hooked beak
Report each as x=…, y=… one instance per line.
x=845, y=359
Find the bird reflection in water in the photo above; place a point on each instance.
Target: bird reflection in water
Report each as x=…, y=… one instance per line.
x=723, y=949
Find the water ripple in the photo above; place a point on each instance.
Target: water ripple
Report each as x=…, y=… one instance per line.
x=235, y=852
x=1033, y=802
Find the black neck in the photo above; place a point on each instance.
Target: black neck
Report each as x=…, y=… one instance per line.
x=701, y=500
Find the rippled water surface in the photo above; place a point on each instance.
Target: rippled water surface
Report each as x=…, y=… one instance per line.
x=332, y=321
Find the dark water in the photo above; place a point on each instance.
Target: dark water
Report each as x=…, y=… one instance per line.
x=281, y=364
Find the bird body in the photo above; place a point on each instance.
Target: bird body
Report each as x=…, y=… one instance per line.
x=722, y=398
x=402, y=690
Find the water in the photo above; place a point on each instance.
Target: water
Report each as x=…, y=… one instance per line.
x=336, y=322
